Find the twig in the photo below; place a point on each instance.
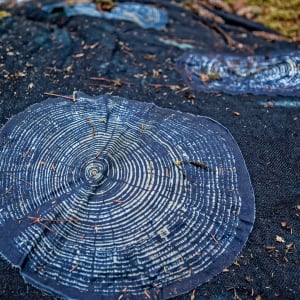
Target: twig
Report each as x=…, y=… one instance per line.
x=15, y=177
x=116, y=82
x=195, y=163
x=216, y=241
x=201, y=11
x=92, y=126
x=183, y=90
x=26, y=153
x=101, y=85
x=118, y=201
x=62, y=96
x=230, y=41
x=8, y=191
x=74, y=267
x=236, y=296
x=40, y=221
x=178, y=164
x=270, y=36
x=173, y=87
x=199, y=164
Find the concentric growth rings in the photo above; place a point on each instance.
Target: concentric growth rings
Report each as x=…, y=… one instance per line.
x=106, y=197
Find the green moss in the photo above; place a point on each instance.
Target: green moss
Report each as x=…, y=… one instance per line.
x=282, y=16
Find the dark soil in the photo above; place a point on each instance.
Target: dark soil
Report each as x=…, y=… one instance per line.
x=55, y=54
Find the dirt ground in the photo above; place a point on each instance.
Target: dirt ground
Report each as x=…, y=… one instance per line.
x=42, y=53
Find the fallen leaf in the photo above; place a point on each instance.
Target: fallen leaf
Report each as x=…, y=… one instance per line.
x=193, y=294
x=20, y=74
x=204, y=77
x=150, y=56
x=117, y=82
x=214, y=76
x=78, y=55
x=283, y=224
x=4, y=14
x=279, y=239
x=155, y=73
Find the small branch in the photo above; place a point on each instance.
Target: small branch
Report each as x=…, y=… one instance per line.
x=158, y=85
x=62, y=96
x=40, y=221
x=118, y=201
x=216, y=241
x=232, y=43
x=199, y=164
x=74, y=267
x=178, y=164
x=19, y=179
x=195, y=163
x=270, y=36
x=116, y=82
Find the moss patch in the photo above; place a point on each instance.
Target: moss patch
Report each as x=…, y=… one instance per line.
x=282, y=16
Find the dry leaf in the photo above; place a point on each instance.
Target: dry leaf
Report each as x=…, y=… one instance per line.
x=4, y=14
x=155, y=73
x=193, y=294
x=283, y=224
x=204, y=77
x=214, y=76
x=279, y=239
x=150, y=56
